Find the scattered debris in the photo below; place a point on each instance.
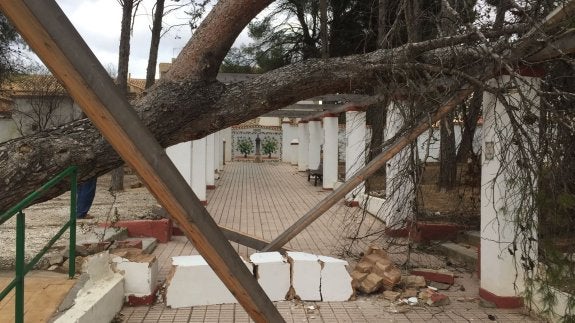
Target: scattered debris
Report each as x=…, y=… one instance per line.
x=310, y=309
x=413, y=281
x=440, y=286
x=438, y=299
x=412, y=301
x=391, y=295
x=410, y=292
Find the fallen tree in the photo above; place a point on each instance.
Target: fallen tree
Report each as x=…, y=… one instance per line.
x=189, y=103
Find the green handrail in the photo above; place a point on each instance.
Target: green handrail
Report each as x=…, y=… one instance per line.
x=21, y=267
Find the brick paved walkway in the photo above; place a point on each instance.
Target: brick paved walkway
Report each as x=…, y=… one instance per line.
x=263, y=200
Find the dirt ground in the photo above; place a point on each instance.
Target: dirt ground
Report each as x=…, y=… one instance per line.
x=460, y=205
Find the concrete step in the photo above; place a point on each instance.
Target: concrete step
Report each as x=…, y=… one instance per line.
x=472, y=238
x=460, y=253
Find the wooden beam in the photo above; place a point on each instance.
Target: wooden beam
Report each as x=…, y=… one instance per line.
x=396, y=145
x=246, y=239
x=50, y=34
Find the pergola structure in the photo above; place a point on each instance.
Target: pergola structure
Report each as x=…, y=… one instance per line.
x=52, y=36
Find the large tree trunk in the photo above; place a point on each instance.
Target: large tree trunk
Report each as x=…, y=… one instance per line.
x=447, y=161
x=447, y=149
x=470, y=116
x=190, y=103
x=155, y=43
x=117, y=182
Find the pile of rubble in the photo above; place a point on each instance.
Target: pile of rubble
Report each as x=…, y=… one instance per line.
x=376, y=273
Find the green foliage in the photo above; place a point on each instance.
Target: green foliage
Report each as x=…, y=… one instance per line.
x=8, y=51
x=237, y=61
x=245, y=145
x=269, y=146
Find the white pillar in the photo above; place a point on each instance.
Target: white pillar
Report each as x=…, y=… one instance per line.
x=330, y=160
x=398, y=205
x=216, y=152
x=314, y=148
x=227, y=135
x=210, y=171
x=303, y=139
x=181, y=156
x=294, y=147
x=286, y=140
x=502, y=273
x=355, y=148
x=199, y=168
x=220, y=150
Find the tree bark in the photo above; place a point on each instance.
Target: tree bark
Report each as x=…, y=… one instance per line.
x=323, y=26
x=190, y=103
x=154, y=43
x=117, y=182
x=447, y=149
x=447, y=160
x=470, y=117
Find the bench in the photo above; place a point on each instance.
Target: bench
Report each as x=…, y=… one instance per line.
x=317, y=174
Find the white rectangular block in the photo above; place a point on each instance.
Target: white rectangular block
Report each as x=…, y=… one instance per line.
x=140, y=273
x=192, y=283
x=335, y=280
x=306, y=271
x=273, y=274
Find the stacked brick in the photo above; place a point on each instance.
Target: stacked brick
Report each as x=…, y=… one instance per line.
x=375, y=272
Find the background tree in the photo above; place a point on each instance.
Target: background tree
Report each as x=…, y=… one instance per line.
x=44, y=98
x=269, y=146
x=195, y=10
x=245, y=146
x=129, y=9
x=9, y=38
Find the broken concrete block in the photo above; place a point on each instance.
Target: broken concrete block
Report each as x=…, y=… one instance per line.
x=356, y=278
x=371, y=283
x=192, y=283
x=272, y=272
x=413, y=281
x=101, y=297
x=441, y=275
x=306, y=273
x=364, y=267
x=335, y=280
x=140, y=275
x=391, y=277
x=391, y=295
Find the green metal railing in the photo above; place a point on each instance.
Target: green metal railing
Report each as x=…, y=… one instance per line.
x=21, y=267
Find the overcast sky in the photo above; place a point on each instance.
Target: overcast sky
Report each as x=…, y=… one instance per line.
x=98, y=21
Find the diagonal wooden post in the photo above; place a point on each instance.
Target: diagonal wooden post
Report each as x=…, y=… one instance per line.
x=50, y=34
x=396, y=145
